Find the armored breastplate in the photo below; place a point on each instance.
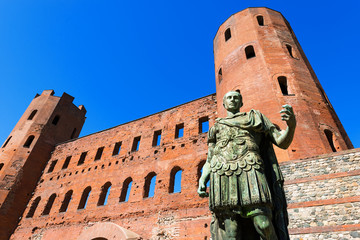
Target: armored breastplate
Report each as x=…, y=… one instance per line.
x=235, y=151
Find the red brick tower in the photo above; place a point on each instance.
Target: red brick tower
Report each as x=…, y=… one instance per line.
x=257, y=52
x=47, y=121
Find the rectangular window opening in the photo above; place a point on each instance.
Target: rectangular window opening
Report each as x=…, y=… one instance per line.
x=7, y=141
x=283, y=85
x=66, y=163
x=82, y=158
x=56, y=120
x=179, y=130
x=157, y=138
x=227, y=34
x=260, y=20
x=117, y=148
x=136, y=144
x=290, y=50
x=203, y=125
x=220, y=77
x=52, y=166
x=99, y=153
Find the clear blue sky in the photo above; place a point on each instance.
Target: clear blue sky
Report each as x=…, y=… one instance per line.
x=127, y=59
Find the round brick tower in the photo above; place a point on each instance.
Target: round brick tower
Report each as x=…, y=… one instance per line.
x=256, y=51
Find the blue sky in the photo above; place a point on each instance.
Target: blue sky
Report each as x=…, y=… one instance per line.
x=127, y=59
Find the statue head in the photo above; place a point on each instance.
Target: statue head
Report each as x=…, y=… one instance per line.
x=232, y=101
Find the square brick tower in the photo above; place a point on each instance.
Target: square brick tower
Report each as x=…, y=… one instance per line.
x=47, y=121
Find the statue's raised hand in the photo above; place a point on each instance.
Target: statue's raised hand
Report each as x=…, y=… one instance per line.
x=202, y=189
x=287, y=115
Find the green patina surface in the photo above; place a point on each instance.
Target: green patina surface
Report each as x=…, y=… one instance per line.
x=246, y=195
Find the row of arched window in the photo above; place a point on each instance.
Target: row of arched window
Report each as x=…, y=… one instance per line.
x=203, y=124
x=149, y=191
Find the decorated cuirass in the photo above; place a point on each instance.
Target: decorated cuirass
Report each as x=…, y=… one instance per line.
x=236, y=150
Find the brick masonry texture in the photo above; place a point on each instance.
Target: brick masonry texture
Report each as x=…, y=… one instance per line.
x=329, y=215
x=320, y=190
x=322, y=165
x=330, y=205
x=323, y=190
x=328, y=236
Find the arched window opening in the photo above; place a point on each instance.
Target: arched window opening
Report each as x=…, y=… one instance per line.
x=149, y=187
x=49, y=204
x=126, y=189
x=56, y=119
x=200, y=170
x=220, y=77
x=260, y=20
x=84, y=198
x=104, y=195
x=290, y=50
x=283, y=85
x=29, y=141
x=250, y=52
x=66, y=202
x=73, y=134
x=175, y=180
x=227, y=34
x=1, y=166
x=7, y=141
x=32, y=115
x=329, y=136
x=33, y=207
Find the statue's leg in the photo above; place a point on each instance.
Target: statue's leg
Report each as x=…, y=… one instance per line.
x=231, y=227
x=264, y=227
x=217, y=228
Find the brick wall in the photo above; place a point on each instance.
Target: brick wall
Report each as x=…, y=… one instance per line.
x=323, y=192
x=165, y=215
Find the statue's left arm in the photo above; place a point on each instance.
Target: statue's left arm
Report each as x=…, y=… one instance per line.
x=283, y=138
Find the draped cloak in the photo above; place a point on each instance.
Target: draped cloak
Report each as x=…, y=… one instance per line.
x=244, y=169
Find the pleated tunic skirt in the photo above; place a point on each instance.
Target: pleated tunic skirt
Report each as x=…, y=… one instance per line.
x=247, y=189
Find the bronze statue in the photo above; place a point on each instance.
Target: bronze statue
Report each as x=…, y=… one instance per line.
x=246, y=195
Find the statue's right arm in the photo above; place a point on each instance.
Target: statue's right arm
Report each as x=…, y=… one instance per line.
x=205, y=176
x=283, y=138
